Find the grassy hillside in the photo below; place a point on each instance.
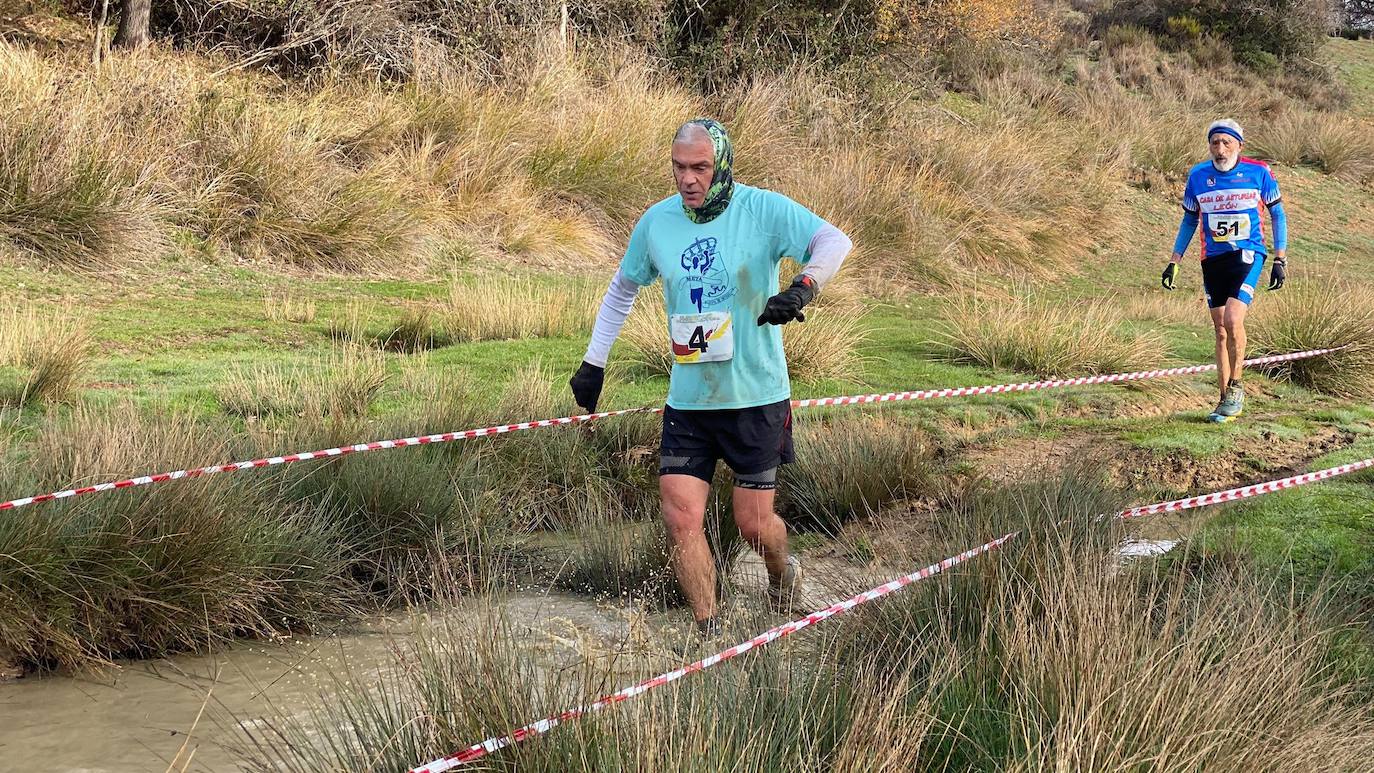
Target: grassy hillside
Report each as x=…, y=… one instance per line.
x=205, y=263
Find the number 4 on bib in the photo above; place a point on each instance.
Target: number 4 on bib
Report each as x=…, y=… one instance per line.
x=698, y=339
x=705, y=337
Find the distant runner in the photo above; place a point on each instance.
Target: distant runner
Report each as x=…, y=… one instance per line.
x=1226, y=193
x=716, y=246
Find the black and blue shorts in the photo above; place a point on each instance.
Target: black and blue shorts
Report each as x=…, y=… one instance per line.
x=749, y=440
x=1232, y=274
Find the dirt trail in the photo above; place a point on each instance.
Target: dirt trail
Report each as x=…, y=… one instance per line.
x=1249, y=459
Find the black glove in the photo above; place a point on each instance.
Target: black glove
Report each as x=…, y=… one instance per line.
x=787, y=305
x=586, y=385
x=1278, y=273
x=1170, y=274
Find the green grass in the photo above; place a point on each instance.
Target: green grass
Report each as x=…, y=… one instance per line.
x=1316, y=534
x=1354, y=61
x=172, y=329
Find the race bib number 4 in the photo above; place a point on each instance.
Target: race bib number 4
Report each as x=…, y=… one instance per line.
x=706, y=337
x=1229, y=228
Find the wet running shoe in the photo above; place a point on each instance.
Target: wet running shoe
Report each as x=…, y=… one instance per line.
x=785, y=591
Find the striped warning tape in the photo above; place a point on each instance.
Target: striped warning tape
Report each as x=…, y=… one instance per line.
x=772, y=634
x=448, y=437
x=1029, y=386
x=495, y=743
x=1230, y=495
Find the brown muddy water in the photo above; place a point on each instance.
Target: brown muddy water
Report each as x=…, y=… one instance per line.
x=142, y=715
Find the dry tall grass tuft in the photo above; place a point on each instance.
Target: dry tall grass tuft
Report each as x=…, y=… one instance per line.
x=266, y=179
x=154, y=570
x=502, y=308
x=289, y=307
x=1047, y=338
x=346, y=385
x=1320, y=317
x=849, y=469
x=1336, y=144
x=415, y=331
x=617, y=559
x=826, y=345
x=43, y=355
x=1059, y=644
x=533, y=392
x=64, y=195
x=1169, y=308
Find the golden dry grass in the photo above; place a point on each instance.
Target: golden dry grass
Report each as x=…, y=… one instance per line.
x=1320, y=317
x=503, y=308
x=1337, y=144
x=289, y=307
x=1178, y=308
x=1050, y=339
x=44, y=353
x=548, y=162
x=346, y=385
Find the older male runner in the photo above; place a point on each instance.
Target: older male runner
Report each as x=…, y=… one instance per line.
x=716, y=246
x=1226, y=193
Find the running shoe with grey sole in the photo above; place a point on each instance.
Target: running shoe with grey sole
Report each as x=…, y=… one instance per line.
x=1231, y=405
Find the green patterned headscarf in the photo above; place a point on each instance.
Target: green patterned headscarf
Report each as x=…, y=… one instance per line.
x=722, y=180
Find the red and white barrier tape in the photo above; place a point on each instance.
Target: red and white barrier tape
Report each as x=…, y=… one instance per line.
x=447, y=437
x=1029, y=386
x=545, y=725
x=378, y=445
x=496, y=743
x=1245, y=492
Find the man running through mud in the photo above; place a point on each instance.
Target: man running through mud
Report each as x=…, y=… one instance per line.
x=716, y=246
x=1225, y=193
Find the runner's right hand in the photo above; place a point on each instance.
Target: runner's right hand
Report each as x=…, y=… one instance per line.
x=586, y=385
x=1170, y=274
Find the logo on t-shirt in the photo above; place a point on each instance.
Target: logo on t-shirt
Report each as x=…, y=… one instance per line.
x=708, y=281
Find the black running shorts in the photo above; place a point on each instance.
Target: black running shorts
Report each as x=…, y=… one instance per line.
x=750, y=440
x=1232, y=274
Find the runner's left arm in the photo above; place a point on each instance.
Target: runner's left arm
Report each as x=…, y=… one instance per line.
x=1280, y=229
x=1278, y=270
x=824, y=253
x=828, y=248
x=819, y=246
x=1273, y=199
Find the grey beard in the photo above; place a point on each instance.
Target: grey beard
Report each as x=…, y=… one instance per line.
x=1225, y=166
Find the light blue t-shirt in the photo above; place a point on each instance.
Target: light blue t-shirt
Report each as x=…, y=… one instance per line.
x=717, y=276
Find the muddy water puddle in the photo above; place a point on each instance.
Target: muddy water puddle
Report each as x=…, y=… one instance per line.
x=142, y=716
x=137, y=717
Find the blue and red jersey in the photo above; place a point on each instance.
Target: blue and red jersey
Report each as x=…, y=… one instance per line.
x=1228, y=205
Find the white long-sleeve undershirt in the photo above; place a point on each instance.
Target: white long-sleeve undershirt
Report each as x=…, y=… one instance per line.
x=610, y=318
x=828, y=248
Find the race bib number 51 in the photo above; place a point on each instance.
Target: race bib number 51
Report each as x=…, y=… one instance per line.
x=706, y=337
x=1229, y=228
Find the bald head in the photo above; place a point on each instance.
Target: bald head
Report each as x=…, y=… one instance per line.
x=691, y=133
